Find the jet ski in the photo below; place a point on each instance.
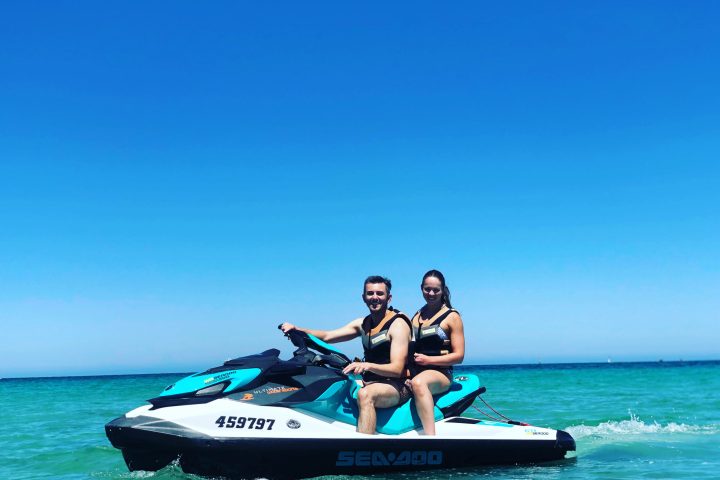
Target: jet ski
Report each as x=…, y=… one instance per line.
x=260, y=416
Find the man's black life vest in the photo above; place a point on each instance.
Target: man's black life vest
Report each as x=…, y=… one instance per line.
x=376, y=342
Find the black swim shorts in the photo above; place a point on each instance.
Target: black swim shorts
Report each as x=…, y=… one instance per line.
x=398, y=384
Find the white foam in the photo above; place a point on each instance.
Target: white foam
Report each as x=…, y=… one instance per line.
x=635, y=426
x=142, y=474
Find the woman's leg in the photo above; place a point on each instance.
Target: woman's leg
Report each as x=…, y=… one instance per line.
x=424, y=385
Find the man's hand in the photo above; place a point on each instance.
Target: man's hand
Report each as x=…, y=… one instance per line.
x=358, y=368
x=286, y=327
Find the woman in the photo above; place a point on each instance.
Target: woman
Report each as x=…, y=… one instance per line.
x=439, y=343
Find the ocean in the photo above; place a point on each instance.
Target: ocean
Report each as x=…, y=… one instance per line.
x=630, y=420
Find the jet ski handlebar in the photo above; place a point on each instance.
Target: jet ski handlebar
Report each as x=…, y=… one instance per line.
x=317, y=354
x=296, y=337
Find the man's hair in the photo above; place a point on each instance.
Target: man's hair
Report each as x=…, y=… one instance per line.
x=378, y=279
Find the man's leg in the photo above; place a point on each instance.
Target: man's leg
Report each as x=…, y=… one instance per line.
x=370, y=397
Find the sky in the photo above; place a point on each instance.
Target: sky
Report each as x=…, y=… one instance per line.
x=178, y=178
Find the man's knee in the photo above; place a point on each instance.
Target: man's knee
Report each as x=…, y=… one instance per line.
x=365, y=397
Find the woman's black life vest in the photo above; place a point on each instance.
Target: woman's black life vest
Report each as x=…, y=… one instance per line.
x=376, y=342
x=428, y=338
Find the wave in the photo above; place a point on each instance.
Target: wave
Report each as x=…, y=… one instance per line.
x=635, y=426
x=171, y=472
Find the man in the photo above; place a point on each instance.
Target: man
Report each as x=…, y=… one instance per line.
x=385, y=334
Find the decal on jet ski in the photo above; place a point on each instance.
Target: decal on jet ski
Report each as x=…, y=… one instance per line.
x=222, y=376
x=245, y=422
x=532, y=431
x=365, y=458
x=274, y=390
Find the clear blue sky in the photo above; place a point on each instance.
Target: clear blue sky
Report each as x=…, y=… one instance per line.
x=177, y=178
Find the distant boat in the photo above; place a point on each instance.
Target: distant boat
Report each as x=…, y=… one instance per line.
x=609, y=360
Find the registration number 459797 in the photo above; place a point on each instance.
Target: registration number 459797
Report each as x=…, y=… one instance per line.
x=245, y=422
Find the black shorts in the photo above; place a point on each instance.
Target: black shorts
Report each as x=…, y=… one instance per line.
x=447, y=371
x=398, y=384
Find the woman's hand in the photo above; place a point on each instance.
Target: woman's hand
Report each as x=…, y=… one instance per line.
x=422, y=360
x=358, y=368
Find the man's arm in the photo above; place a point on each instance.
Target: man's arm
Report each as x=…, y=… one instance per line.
x=346, y=332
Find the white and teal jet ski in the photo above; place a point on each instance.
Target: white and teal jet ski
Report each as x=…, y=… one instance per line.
x=259, y=416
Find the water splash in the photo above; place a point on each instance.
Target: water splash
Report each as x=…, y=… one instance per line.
x=635, y=426
x=171, y=472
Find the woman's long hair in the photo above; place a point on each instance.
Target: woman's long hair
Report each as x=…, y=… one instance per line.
x=445, y=290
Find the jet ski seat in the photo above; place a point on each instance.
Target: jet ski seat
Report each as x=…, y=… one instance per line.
x=340, y=402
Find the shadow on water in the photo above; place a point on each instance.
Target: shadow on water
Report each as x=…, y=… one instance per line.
x=544, y=470
x=549, y=470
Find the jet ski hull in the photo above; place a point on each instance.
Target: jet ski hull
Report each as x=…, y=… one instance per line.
x=283, y=457
x=259, y=416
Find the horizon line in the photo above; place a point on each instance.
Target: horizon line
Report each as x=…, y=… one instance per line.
x=489, y=365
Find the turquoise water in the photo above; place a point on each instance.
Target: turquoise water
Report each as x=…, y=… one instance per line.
x=630, y=420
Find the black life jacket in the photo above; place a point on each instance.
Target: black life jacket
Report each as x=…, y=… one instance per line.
x=429, y=338
x=376, y=342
